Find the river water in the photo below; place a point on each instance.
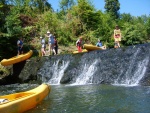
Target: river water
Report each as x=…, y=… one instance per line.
x=89, y=98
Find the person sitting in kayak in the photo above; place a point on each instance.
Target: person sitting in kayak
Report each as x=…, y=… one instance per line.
x=99, y=44
x=79, y=44
x=20, y=46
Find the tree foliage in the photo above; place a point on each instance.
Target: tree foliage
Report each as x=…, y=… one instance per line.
x=31, y=19
x=112, y=7
x=66, y=4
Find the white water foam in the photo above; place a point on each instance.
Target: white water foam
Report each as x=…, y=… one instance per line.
x=87, y=74
x=58, y=72
x=133, y=80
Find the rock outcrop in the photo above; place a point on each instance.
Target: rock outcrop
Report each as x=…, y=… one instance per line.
x=122, y=66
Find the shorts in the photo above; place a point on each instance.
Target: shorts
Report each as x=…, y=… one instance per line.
x=51, y=45
x=20, y=49
x=43, y=46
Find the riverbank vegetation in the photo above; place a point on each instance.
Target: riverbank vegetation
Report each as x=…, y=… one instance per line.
x=31, y=19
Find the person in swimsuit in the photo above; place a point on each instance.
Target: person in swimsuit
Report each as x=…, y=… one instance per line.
x=117, y=36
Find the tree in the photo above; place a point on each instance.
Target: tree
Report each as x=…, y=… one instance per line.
x=66, y=4
x=126, y=18
x=148, y=28
x=87, y=14
x=112, y=7
x=133, y=34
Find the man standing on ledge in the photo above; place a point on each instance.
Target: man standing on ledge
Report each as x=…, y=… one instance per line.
x=20, y=46
x=51, y=43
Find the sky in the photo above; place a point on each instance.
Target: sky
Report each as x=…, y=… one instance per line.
x=134, y=7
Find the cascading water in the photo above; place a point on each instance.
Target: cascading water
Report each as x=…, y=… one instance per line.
x=123, y=66
x=139, y=74
x=53, y=73
x=58, y=72
x=133, y=80
x=87, y=74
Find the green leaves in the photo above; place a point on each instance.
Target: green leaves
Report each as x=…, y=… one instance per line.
x=112, y=7
x=133, y=34
x=32, y=18
x=13, y=24
x=66, y=4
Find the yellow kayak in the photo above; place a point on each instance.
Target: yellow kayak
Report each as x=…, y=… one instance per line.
x=91, y=47
x=83, y=51
x=16, y=59
x=23, y=101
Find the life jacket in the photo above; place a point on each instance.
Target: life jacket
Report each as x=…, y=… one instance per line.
x=55, y=44
x=79, y=42
x=43, y=41
x=99, y=44
x=20, y=42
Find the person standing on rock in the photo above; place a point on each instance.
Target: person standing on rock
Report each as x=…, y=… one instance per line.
x=51, y=43
x=79, y=44
x=20, y=46
x=117, y=36
x=56, y=45
x=43, y=46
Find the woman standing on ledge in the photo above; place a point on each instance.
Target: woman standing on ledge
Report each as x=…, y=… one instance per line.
x=117, y=36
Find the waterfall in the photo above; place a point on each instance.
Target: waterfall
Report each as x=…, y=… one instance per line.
x=140, y=72
x=52, y=73
x=133, y=80
x=124, y=66
x=58, y=72
x=87, y=74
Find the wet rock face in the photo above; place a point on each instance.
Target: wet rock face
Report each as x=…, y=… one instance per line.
x=4, y=73
x=29, y=72
x=129, y=65
x=23, y=72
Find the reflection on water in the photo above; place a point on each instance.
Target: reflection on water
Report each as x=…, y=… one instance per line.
x=14, y=88
x=94, y=99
